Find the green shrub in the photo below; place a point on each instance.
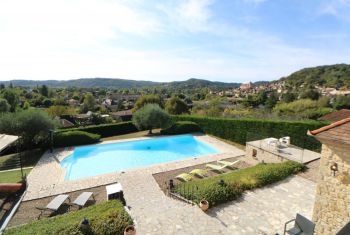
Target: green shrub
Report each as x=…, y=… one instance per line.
x=107, y=130
x=105, y=218
x=181, y=127
x=241, y=130
x=236, y=182
x=73, y=138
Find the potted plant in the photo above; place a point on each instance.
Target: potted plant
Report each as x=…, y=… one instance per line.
x=130, y=230
x=204, y=205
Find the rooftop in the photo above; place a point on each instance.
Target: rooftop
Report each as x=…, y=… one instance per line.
x=337, y=115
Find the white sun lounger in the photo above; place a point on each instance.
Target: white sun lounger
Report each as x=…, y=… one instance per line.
x=83, y=198
x=54, y=205
x=215, y=167
x=227, y=163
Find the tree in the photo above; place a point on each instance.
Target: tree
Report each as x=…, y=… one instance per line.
x=151, y=116
x=342, y=102
x=310, y=94
x=271, y=101
x=44, y=90
x=59, y=110
x=147, y=99
x=32, y=125
x=176, y=106
x=12, y=98
x=288, y=97
x=4, y=106
x=2, y=86
x=89, y=103
x=47, y=102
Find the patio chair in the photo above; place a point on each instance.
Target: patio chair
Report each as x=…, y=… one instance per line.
x=82, y=199
x=302, y=226
x=54, y=205
x=227, y=163
x=199, y=172
x=216, y=167
x=184, y=177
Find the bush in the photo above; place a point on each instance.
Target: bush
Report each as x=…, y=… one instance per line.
x=175, y=105
x=73, y=138
x=236, y=182
x=105, y=218
x=241, y=130
x=107, y=130
x=181, y=127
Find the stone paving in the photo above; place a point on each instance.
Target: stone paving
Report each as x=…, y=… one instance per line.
x=262, y=211
x=47, y=177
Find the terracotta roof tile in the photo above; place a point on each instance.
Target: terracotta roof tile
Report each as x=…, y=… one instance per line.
x=337, y=115
x=338, y=131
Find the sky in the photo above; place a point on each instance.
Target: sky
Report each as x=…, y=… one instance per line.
x=169, y=40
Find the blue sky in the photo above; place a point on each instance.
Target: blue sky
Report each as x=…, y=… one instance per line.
x=168, y=40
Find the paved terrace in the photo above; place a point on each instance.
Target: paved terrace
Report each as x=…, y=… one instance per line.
x=47, y=177
x=291, y=152
x=262, y=211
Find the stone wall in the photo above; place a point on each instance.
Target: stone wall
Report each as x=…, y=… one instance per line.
x=263, y=155
x=332, y=202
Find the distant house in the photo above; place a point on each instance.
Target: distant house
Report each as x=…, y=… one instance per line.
x=337, y=115
x=124, y=115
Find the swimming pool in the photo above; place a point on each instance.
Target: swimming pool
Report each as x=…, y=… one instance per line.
x=106, y=158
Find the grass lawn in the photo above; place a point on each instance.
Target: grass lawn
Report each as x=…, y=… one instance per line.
x=105, y=218
x=12, y=176
x=29, y=158
x=132, y=135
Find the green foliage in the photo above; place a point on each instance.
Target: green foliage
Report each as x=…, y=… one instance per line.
x=59, y=110
x=89, y=103
x=12, y=98
x=175, y=106
x=310, y=94
x=271, y=101
x=105, y=218
x=289, y=97
x=4, y=106
x=304, y=108
x=107, y=130
x=32, y=125
x=181, y=127
x=44, y=90
x=236, y=182
x=47, y=102
x=342, y=102
x=335, y=76
x=73, y=138
x=241, y=130
x=147, y=99
x=151, y=116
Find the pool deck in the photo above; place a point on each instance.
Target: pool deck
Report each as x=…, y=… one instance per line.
x=47, y=177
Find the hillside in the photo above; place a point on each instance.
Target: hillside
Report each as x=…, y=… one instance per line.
x=192, y=83
x=336, y=76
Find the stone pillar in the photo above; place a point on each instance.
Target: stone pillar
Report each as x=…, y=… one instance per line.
x=332, y=201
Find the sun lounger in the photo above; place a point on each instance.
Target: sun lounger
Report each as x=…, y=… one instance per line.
x=81, y=200
x=227, y=163
x=184, y=177
x=54, y=205
x=199, y=172
x=216, y=167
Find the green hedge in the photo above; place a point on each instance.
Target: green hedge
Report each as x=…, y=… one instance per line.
x=236, y=182
x=241, y=130
x=73, y=138
x=181, y=127
x=107, y=130
x=105, y=218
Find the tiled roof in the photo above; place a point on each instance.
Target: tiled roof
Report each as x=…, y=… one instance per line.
x=338, y=132
x=337, y=115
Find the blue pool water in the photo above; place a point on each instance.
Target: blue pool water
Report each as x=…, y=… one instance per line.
x=106, y=158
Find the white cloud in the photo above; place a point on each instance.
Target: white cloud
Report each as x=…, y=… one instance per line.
x=337, y=8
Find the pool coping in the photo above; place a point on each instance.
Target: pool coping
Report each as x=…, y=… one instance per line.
x=47, y=177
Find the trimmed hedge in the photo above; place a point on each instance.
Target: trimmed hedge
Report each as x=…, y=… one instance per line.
x=242, y=130
x=73, y=138
x=107, y=130
x=236, y=182
x=181, y=127
x=105, y=218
